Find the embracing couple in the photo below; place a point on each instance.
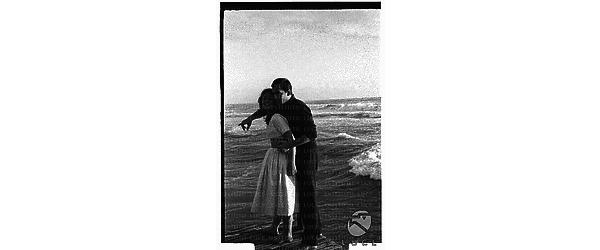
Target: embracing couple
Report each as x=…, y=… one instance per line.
x=290, y=165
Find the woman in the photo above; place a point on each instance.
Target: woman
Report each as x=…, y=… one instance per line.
x=275, y=191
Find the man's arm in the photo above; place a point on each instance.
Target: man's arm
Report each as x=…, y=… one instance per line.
x=291, y=142
x=248, y=121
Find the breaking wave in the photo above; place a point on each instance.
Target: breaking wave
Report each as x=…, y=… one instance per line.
x=368, y=163
x=367, y=114
x=359, y=106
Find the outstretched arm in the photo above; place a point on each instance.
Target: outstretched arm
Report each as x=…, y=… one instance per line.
x=246, y=123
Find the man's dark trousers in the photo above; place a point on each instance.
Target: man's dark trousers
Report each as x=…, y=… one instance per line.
x=307, y=161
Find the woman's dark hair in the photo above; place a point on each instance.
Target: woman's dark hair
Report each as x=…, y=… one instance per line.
x=269, y=114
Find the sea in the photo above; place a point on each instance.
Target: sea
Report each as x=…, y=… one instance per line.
x=349, y=174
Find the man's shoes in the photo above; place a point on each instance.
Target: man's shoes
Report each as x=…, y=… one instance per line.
x=307, y=247
x=271, y=231
x=286, y=240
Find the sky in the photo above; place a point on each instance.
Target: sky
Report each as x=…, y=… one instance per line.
x=324, y=54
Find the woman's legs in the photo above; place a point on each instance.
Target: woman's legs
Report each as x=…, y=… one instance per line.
x=287, y=222
x=274, y=230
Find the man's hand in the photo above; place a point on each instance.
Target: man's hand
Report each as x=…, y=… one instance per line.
x=246, y=123
x=303, y=139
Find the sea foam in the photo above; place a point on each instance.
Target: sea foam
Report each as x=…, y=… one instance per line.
x=347, y=136
x=368, y=163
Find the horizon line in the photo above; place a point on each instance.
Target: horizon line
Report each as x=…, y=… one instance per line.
x=313, y=100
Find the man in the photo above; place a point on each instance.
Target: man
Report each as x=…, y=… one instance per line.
x=303, y=128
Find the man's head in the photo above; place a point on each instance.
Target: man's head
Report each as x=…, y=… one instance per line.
x=282, y=89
